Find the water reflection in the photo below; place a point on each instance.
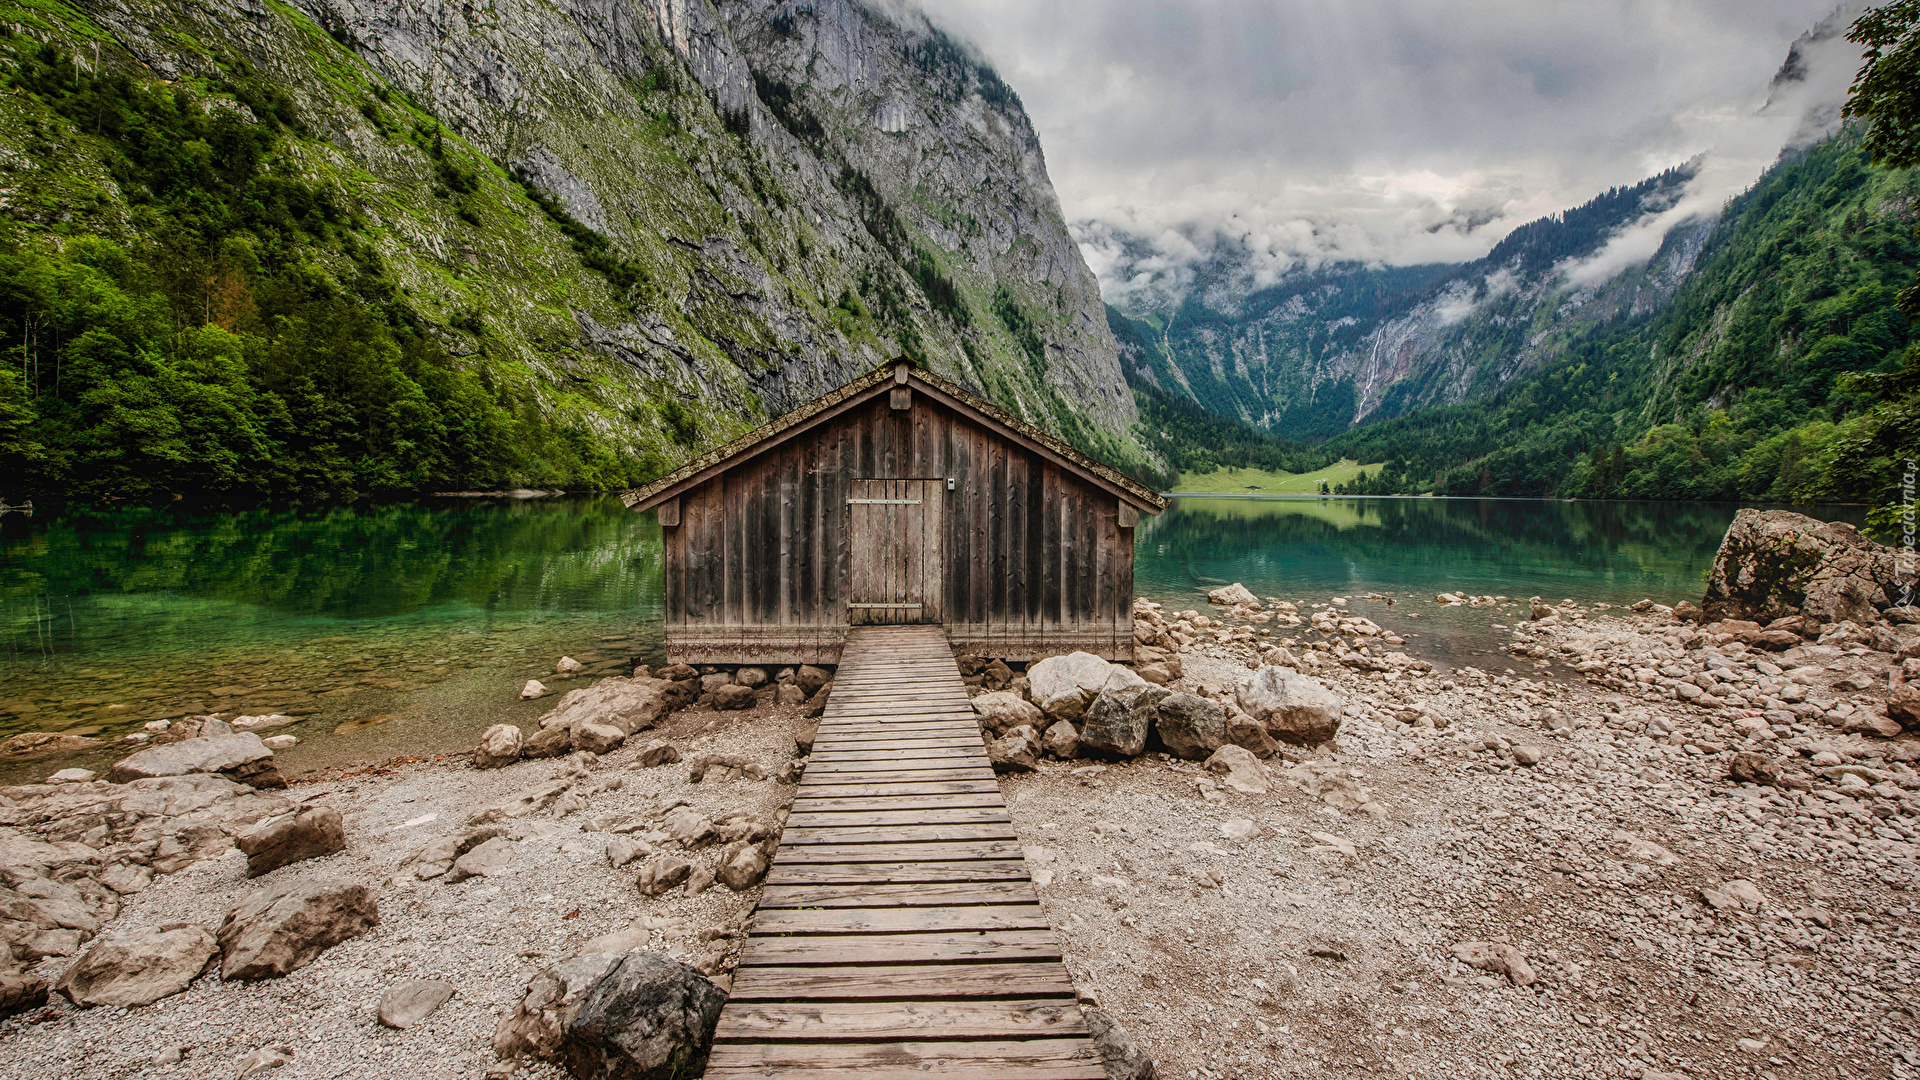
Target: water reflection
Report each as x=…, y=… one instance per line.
x=109, y=618
x=1614, y=552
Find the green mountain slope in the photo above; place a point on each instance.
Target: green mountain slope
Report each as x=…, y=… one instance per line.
x=1734, y=390
x=250, y=247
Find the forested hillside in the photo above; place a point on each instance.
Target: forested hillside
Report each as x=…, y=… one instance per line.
x=338, y=246
x=1738, y=389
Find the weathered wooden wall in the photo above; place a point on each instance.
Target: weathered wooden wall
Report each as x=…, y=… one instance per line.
x=1035, y=560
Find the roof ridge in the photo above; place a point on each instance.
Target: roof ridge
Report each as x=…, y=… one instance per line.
x=639, y=496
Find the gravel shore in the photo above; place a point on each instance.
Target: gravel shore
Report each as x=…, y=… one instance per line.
x=1576, y=807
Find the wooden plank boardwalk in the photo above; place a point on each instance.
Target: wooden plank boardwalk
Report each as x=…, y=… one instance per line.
x=899, y=937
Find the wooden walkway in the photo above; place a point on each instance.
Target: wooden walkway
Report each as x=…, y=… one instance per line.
x=898, y=937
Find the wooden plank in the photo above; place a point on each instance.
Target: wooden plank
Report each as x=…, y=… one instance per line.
x=1023, y=979
x=900, y=948
x=929, y=851
x=944, y=755
x=898, y=920
x=887, y=835
x=895, y=873
x=921, y=895
x=886, y=813
x=869, y=1020
x=895, y=796
x=1029, y=1059
x=848, y=796
x=851, y=773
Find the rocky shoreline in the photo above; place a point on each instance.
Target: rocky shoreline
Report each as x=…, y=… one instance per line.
x=1661, y=843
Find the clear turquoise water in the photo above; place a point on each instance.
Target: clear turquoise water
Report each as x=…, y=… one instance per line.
x=406, y=627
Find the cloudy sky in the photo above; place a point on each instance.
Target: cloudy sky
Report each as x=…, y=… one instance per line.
x=1398, y=131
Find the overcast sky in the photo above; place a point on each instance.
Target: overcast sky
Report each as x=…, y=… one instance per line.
x=1397, y=131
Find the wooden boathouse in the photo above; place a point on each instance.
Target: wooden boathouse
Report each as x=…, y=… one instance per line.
x=899, y=498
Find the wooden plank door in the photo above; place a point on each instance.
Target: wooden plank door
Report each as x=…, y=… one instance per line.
x=894, y=564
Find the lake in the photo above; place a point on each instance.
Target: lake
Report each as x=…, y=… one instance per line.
x=404, y=628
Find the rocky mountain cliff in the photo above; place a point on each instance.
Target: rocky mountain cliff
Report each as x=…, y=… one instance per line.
x=646, y=224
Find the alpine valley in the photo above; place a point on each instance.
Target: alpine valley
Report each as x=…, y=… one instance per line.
x=1757, y=354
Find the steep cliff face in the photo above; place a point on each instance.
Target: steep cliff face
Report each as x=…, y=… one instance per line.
x=899, y=104
x=589, y=201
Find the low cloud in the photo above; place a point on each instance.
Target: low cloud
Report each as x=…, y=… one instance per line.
x=1278, y=136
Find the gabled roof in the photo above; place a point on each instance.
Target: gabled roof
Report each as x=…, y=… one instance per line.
x=874, y=383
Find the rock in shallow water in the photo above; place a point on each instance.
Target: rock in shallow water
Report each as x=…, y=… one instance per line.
x=241, y=757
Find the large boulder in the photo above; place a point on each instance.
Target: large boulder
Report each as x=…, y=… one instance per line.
x=241, y=757
x=283, y=929
x=1774, y=563
x=742, y=865
x=1001, y=711
x=1295, y=708
x=1230, y=595
x=1191, y=726
x=1016, y=751
x=627, y=704
x=1120, y=721
x=1239, y=770
x=1063, y=686
x=138, y=967
x=21, y=990
x=272, y=843
x=634, y=1016
x=499, y=745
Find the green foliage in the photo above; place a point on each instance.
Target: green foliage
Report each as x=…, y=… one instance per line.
x=221, y=356
x=596, y=252
x=1886, y=94
x=1192, y=440
x=1756, y=382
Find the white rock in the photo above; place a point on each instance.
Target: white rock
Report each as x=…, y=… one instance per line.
x=71, y=776
x=1063, y=686
x=280, y=742
x=567, y=665
x=1230, y=595
x=534, y=688
x=1239, y=829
